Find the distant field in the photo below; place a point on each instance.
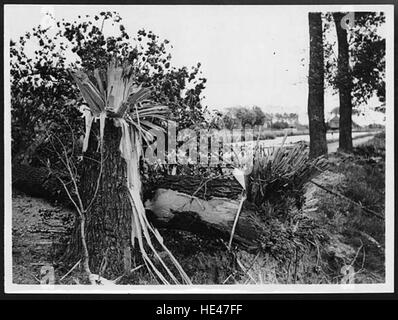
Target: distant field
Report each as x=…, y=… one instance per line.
x=270, y=134
x=330, y=137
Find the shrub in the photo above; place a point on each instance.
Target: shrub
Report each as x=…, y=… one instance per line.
x=280, y=125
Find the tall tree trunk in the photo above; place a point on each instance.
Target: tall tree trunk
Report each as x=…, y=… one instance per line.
x=316, y=116
x=108, y=218
x=344, y=84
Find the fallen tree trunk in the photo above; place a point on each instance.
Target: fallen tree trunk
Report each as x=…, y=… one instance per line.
x=221, y=187
x=212, y=218
x=204, y=207
x=39, y=182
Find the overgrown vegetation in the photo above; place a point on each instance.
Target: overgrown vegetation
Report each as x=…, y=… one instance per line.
x=361, y=178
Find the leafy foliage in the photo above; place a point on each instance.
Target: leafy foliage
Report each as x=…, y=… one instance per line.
x=368, y=50
x=44, y=96
x=367, y=54
x=243, y=116
x=280, y=125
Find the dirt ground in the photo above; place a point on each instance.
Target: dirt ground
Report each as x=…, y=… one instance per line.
x=37, y=232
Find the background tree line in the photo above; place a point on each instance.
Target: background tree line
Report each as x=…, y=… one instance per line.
x=240, y=117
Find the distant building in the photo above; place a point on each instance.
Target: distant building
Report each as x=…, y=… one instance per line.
x=267, y=121
x=292, y=120
x=355, y=125
x=334, y=123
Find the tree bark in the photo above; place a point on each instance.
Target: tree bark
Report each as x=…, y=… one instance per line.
x=344, y=84
x=316, y=116
x=108, y=216
x=210, y=218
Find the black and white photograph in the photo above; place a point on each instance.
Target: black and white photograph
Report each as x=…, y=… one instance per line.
x=198, y=149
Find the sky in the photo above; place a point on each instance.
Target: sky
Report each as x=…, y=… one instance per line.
x=250, y=55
